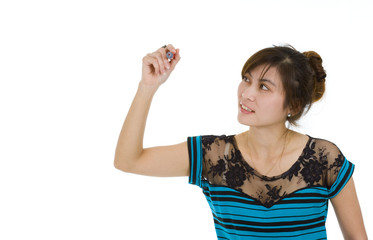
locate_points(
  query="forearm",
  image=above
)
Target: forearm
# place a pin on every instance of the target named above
(130, 142)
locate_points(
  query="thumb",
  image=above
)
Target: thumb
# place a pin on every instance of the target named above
(175, 60)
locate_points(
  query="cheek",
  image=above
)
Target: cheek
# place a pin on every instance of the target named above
(275, 105)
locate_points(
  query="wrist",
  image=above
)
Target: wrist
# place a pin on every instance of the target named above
(146, 89)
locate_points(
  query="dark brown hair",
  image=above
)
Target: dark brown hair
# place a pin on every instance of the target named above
(302, 75)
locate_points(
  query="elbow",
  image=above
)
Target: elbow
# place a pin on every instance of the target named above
(125, 162)
(120, 164)
(116, 164)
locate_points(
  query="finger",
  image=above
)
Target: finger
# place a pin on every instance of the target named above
(171, 48)
(164, 57)
(160, 70)
(158, 56)
(176, 59)
(152, 63)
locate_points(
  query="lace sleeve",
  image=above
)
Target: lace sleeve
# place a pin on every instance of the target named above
(206, 155)
(339, 170)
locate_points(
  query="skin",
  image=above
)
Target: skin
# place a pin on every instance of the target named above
(265, 139)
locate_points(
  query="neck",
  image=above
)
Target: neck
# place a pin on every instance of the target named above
(267, 136)
(267, 142)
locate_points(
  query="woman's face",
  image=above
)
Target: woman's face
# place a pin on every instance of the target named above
(261, 101)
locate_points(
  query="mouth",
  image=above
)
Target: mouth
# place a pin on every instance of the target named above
(246, 108)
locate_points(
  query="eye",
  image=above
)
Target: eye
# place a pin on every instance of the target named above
(264, 87)
(245, 79)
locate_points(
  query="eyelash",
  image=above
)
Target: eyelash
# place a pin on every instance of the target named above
(245, 79)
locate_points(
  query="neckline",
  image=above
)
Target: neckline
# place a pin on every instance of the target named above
(270, 178)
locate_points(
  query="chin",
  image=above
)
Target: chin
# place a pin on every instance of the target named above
(244, 121)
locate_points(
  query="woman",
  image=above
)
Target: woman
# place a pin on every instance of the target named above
(266, 183)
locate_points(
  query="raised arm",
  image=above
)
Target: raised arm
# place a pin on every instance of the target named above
(130, 156)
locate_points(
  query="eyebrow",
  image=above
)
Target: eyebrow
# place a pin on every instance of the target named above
(263, 79)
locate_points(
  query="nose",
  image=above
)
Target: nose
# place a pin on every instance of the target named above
(248, 92)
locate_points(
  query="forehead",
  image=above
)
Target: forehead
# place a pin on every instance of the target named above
(264, 72)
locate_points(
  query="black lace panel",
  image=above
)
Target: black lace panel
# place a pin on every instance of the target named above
(223, 164)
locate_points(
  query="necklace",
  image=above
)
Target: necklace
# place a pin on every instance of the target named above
(277, 160)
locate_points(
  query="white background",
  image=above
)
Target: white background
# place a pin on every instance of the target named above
(69, 71)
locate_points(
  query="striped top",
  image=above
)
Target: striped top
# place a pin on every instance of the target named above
(248, 205)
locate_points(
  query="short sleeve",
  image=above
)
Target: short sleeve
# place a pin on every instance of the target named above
(195, 160)
(341, 174)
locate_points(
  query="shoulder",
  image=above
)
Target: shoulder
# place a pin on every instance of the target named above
(324, 145)
(212, 142)
(216, 146)
(325, 151)
(336, 167)
(219, 140)
(322, 161)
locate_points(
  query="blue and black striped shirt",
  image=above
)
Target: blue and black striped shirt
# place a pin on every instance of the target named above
(248, 205)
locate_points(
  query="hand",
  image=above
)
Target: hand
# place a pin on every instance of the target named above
(156, 67)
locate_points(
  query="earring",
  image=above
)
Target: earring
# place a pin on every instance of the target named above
(289, 115)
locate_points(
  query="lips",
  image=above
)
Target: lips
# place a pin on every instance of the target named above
(246, 108)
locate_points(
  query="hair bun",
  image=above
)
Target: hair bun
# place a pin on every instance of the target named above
(319, 74)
